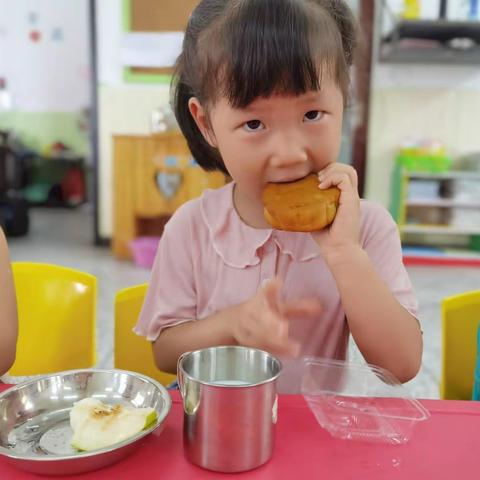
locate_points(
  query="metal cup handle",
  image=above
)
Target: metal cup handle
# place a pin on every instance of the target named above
(180, 379)
(189, 390)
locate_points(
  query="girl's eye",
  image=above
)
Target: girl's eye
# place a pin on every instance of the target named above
(253, 126)
(313, 116)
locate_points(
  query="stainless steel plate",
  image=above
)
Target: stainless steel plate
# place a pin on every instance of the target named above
(35, 428)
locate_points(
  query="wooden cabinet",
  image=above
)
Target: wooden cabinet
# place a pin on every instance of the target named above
(152, 176)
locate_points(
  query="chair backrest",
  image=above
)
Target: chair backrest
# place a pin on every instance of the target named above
(56, 316)
(132, 352)
(476, 379)
(460, 320)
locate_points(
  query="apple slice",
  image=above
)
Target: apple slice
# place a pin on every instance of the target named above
(97, 425)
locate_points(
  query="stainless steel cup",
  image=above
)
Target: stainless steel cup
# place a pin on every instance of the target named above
(230, 407)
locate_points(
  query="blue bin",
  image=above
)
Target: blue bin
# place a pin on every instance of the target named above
(476, 378)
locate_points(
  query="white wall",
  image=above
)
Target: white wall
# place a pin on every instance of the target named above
(109, 35)
(51, 74)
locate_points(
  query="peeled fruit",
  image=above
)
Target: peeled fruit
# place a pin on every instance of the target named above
(97, 425)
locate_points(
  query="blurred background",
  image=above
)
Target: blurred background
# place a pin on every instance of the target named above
(92, 163)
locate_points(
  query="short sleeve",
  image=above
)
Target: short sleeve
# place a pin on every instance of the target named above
(381, 241)
(170, 298)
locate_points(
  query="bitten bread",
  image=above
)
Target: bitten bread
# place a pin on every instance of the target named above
(300, 206)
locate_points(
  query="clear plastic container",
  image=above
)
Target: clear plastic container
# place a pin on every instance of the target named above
(360, 402)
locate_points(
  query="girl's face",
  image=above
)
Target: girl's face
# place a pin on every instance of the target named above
(275, 139)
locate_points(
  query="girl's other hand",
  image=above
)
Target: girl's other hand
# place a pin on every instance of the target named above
(344, 232)
(263, 321)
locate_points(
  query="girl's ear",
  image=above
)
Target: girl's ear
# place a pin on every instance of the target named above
(199, 115)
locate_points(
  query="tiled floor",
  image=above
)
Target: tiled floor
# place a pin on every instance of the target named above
(65, 237)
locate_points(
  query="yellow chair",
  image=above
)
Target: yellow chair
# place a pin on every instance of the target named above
(460, 320)
(56, 316)
(132, 352)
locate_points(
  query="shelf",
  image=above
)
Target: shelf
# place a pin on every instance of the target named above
(439, 55)
(427, 41)
(440, 229)
(442, 203)
(464, 175)
(439, 30)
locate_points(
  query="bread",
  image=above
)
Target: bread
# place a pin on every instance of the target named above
(300, 206)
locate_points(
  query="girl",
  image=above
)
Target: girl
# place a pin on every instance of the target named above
(259, 93)
(8, 310)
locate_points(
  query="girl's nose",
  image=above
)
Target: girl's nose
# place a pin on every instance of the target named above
(287, 152)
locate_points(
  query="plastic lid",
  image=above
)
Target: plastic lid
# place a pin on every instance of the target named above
(360, 401)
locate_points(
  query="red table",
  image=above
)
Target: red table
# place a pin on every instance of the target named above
(447, 446)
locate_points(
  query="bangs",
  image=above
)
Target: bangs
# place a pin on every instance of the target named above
(262, 47)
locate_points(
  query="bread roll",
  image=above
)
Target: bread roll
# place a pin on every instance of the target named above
(300, 206)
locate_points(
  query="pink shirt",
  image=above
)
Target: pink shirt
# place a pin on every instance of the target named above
(209, 259)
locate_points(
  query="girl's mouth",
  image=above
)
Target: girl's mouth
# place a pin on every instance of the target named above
(290, 179)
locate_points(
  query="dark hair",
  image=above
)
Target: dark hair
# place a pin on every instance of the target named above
(245, 49)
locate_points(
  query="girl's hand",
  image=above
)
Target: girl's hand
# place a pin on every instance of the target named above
(263, 321)
(345, 229)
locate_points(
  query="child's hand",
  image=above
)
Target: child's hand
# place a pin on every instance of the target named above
(264, 320)
(345, 229)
